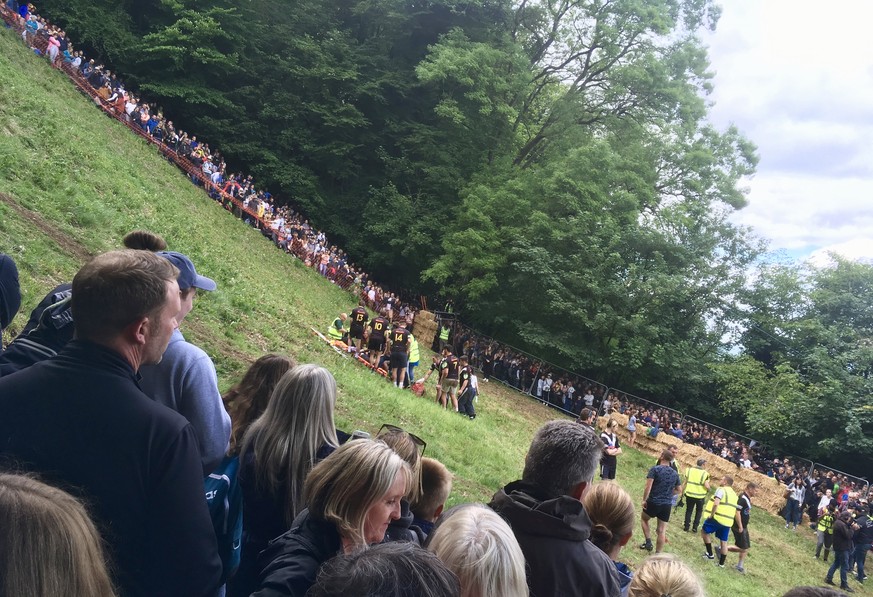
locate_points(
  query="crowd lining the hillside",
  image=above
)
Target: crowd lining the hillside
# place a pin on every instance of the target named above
(281, 491)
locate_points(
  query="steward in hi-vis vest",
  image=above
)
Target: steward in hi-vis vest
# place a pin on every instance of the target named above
(694, 492)
(722, 510)
(336, 330)
(824, 532)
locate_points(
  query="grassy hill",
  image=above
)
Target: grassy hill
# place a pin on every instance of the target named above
(73, 182)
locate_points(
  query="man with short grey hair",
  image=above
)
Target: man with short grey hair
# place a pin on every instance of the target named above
(546, 514)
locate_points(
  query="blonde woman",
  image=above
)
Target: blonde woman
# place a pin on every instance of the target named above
(663, 574)
(410, 448)
(279, 449)
(351, 497)
(480, 548)
(48, 544)
(611, 510)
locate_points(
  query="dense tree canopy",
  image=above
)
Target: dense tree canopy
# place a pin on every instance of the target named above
(548, 164)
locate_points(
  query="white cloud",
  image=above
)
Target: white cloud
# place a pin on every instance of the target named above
(796, 77)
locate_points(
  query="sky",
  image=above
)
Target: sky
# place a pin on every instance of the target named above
(797, 79)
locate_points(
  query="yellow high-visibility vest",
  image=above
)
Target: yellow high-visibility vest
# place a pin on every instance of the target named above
(727, 507)
(414, 354)
(444, 334)
(332, 332)
(695, 483)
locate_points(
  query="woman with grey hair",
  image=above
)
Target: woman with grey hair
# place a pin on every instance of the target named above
(279, 449)
(479, 547)
(351, 498)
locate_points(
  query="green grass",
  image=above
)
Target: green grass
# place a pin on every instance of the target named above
(73, 182)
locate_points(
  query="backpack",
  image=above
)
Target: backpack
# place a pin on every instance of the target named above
(224, 499)
(49, 329)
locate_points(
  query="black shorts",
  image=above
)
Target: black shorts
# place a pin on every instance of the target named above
(741, 540)
(399, 359)
(659, 511)
(377, 344)
(356, 332)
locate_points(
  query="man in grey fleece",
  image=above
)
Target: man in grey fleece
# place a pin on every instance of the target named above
(185, 379)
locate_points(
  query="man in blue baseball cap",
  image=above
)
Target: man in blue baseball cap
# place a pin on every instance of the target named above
(185, 378)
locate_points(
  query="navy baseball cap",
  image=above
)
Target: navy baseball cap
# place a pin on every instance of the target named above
(188, 276)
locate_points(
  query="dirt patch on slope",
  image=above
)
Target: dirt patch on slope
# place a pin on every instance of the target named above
(68, 245)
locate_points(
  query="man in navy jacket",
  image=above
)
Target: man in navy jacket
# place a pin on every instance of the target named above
(80, 421)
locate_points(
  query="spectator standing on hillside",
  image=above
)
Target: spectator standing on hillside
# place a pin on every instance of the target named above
(694, 492)
(632, 428)
(795, 492)
(611, 451)
(80, 420)
(662, 484)
(185, 380)
(863, 539)
(547, 517)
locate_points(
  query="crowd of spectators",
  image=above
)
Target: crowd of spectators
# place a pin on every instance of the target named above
(237, 192)
(292, 232)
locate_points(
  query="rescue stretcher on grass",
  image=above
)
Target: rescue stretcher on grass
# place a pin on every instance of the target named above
(342, 348)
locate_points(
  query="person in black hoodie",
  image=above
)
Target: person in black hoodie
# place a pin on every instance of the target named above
(843, 529)
(546, 514)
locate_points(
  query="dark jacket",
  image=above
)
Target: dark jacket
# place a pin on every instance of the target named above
(553, 534)
(403, 528)
(81, 422)
(864, 535)
(291, 562)
(263, 520)
(10, 292)
(842, 535)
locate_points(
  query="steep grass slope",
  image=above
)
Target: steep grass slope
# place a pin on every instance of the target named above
(73, 182)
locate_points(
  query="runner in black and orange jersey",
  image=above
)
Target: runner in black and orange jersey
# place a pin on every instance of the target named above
(449, 370)
(376, 338)
(356, 330)
(399, 354)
